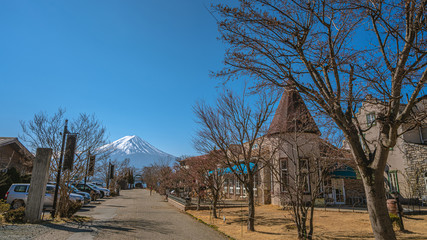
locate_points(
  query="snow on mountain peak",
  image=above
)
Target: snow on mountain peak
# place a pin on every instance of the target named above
(133, 145)
(139, 151)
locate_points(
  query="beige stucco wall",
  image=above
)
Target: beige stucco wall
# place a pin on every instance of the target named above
(398, 157)
(293, 146)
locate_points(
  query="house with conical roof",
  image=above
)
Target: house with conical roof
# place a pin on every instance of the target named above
(304, 160)
(300, 155)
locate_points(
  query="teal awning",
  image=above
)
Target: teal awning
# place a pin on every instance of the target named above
(237, 169)
(344, 172)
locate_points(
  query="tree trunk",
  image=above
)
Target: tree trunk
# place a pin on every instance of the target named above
(199, 199)
(311, 228)
(377, 208)
(251, 206)
(214, 208)
(214, 203)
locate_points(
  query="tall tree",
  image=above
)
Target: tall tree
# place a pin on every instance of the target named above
(237, 130)
(335, 53)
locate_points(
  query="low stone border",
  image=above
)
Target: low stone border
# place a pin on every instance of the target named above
(177, 204)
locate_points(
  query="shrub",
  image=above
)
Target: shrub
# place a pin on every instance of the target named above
(15, 215)
(395, 220)
(4, 206)
(73, 207)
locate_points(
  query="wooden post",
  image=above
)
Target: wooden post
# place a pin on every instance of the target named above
(38, 183)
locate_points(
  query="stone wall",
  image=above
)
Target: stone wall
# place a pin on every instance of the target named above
(416, 167)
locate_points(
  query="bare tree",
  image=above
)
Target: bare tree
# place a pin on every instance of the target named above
(159, 176)
(302, 167)
(215, 179)
(192, 172)
(237, 131)
(335, 53)
(201, 173)
(46, 131)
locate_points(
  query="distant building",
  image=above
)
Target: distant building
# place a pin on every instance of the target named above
(14, 154)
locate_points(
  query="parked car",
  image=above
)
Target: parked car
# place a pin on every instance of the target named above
(17, 195)
(97, 184)
(85, 195)
(94, 193)
(104, 191)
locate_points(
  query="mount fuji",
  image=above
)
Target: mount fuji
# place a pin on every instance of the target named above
(140, 152)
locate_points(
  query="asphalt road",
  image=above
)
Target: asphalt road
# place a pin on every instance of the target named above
(136, 215)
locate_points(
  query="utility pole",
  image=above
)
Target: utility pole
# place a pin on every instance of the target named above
(58, 176)
(87, 165)
(108, 175)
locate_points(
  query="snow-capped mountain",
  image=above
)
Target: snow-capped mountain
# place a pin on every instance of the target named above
(140, 152)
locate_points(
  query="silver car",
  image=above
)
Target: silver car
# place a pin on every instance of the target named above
(17, 195)
(104, 191)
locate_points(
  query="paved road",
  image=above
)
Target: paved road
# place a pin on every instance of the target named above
(137, 215)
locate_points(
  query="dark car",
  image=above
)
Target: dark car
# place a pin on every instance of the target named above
(94, 193)
(85, 195)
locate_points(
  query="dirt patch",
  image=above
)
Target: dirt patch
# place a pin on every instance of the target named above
(273, 223)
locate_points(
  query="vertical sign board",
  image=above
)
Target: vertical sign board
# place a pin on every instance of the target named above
(70, 149)
(91, 165)
(38, 183)
(112, 171)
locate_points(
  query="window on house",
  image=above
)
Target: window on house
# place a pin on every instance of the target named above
(272, 181)
(237, 187)
(256, 182)
(284, 174)
(322, 177)
(231, 188)
(303, 167)
(370, 119)
(225, 185)
(393, 181)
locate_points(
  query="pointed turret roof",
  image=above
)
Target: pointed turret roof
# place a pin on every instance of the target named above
(292, 115)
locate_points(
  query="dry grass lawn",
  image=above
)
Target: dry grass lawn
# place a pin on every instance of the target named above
(274, 223)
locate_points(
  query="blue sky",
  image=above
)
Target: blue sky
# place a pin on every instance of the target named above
(139, 65)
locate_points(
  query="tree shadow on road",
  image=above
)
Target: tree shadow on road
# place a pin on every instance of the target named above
(69, 227)
(117, 226)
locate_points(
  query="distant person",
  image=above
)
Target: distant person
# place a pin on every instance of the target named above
(151, 189)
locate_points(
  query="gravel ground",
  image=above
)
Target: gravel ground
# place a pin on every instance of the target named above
(15, 232)
(44, 231)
